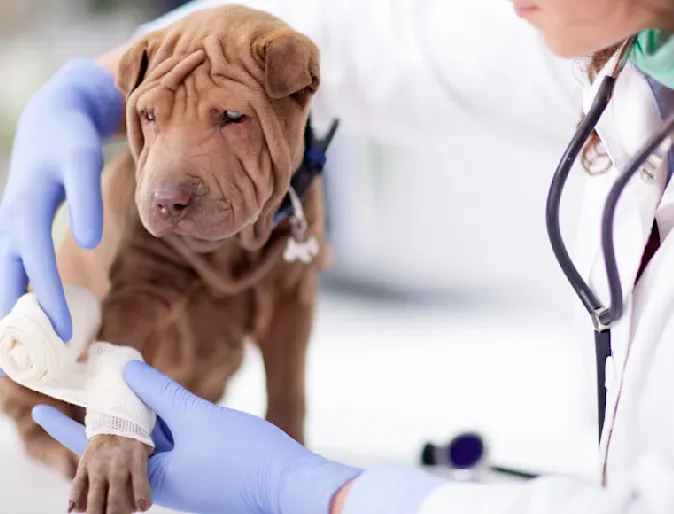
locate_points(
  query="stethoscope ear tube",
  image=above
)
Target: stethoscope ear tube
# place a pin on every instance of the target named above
(660, 139)
(552, 213)
(602, 317)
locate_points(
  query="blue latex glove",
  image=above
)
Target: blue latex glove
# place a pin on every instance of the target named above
(221, 460)
(56, 156)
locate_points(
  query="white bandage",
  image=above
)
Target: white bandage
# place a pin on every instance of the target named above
(34, 356)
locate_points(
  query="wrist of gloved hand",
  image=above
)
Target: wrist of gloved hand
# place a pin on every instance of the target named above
(84, 86)
(309, 485)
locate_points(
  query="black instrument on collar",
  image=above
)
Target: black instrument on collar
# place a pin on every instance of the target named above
(311, 167)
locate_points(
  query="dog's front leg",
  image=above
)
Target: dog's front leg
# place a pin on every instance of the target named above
(284, 350)
(147, 285)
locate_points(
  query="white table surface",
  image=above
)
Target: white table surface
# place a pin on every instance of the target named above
(384, 378)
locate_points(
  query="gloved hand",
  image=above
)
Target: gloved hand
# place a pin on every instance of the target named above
(222, 460)
(57, 155)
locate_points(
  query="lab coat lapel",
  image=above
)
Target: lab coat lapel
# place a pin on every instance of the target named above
(630, 118)
(665, 214)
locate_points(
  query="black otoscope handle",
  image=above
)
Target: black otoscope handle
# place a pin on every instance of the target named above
(465, 452)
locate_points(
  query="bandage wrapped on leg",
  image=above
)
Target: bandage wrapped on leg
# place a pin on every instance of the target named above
(82, 372)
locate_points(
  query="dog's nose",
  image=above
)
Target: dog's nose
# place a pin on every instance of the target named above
(174, 202)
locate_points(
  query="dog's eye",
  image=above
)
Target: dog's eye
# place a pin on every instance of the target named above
(233, 116)
(224, 118)
(148, 115)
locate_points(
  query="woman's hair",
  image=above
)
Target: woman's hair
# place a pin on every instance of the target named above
(592, 151)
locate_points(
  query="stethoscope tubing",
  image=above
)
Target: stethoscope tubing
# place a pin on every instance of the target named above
(660, 138)
(552, 215)
(602, 317)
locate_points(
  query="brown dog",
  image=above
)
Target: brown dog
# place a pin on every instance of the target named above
(190, 263)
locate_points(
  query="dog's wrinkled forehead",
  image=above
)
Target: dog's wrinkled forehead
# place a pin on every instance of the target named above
(238, 43)
(276, 68)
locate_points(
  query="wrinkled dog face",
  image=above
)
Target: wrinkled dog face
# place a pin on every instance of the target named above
(216, 107)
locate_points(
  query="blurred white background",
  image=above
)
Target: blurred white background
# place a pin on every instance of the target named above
(444, 310)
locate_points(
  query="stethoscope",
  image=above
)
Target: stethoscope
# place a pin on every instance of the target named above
(602, 316)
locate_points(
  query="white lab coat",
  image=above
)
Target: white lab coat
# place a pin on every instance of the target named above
(395, 67)
(636, 458)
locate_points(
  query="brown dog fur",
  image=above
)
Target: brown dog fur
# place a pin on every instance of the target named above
(187, 293)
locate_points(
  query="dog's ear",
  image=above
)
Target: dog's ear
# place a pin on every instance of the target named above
(133, 67)
(291, 65)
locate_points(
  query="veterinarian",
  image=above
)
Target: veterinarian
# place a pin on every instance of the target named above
(214, 459)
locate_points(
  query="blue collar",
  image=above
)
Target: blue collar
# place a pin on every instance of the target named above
(311, 167)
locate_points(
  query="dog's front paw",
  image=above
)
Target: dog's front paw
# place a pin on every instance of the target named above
(112, 477)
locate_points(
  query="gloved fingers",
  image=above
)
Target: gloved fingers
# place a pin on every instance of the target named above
(66, 431)
(162, 394)
(13, 283)
(13, 280)
(39, 258)
(82, 170)
(157, 469)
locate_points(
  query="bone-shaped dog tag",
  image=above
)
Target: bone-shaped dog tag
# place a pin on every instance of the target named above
(304, 251)
(298, 248)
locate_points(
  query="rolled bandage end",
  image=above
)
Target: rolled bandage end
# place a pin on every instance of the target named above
(31, 353)
(81, 372)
